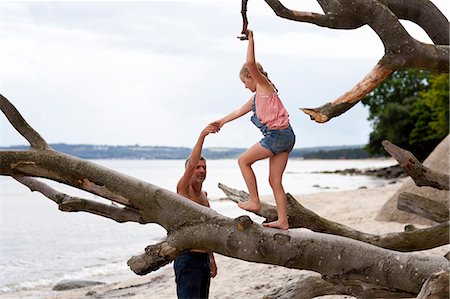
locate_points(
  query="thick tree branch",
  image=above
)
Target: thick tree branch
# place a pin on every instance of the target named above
(349, 99)
(299, 216)
(422, 175)
(48, 165)
(422, 206)
(69, 203)
(19, 123)
(425, 14)
(335, 16)
(401, 50)
(244, 239)
(338, 16)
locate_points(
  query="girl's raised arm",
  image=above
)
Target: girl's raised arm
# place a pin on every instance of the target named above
(251, 64)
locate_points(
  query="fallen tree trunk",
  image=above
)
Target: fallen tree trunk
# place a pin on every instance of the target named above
(192, 226)
(299, 216)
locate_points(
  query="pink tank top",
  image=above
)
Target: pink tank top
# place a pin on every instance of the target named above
(271, 112)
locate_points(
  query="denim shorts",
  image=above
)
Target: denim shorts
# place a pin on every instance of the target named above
(278, 141)
(192, 275)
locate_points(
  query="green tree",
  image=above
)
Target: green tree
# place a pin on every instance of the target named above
(411, 110)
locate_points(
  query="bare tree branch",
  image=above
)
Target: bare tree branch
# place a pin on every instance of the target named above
(349, 99)
(19, 123)
(422, 175)
(69, 203)
(299, 216)
(335, 16)
(401, 50)
(425, 14)
(244, 19)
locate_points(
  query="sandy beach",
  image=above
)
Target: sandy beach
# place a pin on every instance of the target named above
(241, 279)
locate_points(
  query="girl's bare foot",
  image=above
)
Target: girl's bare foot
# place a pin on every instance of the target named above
(250, 206)
(277, 224)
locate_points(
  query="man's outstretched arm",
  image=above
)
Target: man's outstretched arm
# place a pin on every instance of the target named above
(194, 158)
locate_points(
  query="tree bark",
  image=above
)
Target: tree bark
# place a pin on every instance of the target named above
(436, 287)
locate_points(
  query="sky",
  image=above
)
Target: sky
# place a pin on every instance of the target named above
(155, 73)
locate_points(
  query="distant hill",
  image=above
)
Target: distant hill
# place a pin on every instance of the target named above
(137, 152)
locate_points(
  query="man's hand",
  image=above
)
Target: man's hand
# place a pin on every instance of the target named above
(217, 124)
(213, 267)
(213, 127)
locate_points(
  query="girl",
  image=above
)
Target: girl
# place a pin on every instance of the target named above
(272, 119)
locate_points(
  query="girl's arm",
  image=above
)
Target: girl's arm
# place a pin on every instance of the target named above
(247, 107)
(261, 80)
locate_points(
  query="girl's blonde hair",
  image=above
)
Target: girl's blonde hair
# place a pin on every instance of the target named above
(245, 73)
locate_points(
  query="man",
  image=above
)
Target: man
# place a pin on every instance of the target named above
(194, 268)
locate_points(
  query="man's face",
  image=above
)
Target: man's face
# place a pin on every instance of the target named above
(199, 174)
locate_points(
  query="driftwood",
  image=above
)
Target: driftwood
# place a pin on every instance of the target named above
(311, 285)
(425, 207)
(438, 161)
(422, 175)
(299, 216)
(436, 287)
(192, 226)
(401, 49)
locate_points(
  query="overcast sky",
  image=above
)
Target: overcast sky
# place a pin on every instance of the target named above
(156, 72)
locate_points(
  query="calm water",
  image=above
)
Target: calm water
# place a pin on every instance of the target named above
(41, 245)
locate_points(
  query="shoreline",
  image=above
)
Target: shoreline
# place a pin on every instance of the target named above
(237, 278)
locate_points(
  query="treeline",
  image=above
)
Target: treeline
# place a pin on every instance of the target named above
(410, 109)
(136, 152)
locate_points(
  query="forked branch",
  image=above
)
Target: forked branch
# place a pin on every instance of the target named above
(401, 49)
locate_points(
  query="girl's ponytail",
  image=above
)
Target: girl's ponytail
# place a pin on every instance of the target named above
(245, 73)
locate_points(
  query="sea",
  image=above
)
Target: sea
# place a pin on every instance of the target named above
(40, 245)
